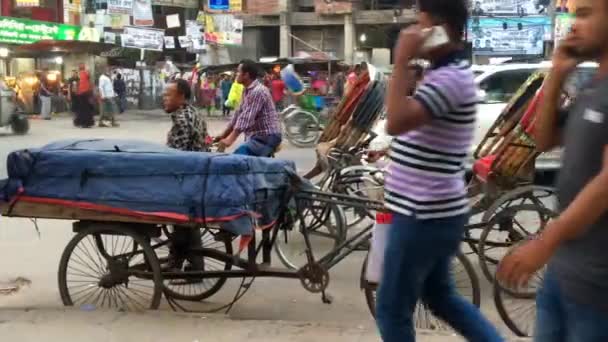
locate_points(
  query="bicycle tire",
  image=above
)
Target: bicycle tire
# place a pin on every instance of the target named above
(340, 236)
(197, 296)
(312, 128)
(151, 264)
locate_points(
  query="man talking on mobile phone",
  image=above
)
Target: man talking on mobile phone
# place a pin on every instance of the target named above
(424, 185)
(572, 304)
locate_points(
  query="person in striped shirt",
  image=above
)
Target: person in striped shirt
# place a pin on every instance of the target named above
(424, 183)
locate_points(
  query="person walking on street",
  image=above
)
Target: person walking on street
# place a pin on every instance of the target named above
(277, 87)
(256, 117)
(73, 90)
(45, 96)
(572, 303)
(188, 133)
(108, 101)
(120, 88)
(84, 100)
(425, 188)
(226, 85)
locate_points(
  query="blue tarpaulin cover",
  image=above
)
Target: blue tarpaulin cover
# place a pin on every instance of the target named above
(150, 178)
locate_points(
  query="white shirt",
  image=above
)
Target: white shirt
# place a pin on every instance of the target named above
(106, 89)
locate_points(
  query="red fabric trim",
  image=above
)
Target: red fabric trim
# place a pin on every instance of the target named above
(160, 216)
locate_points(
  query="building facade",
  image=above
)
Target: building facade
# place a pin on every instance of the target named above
(346, 30)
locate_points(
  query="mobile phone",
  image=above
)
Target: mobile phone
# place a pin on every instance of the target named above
(437, 37)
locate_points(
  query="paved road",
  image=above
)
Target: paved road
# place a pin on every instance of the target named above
(24, 254)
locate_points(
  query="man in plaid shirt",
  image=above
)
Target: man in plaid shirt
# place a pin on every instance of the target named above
(256, 118)
(189, 130)
(188, 133)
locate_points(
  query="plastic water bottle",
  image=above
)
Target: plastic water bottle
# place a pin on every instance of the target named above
(291, 79)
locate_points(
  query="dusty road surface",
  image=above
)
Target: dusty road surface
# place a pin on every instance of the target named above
(273, 310)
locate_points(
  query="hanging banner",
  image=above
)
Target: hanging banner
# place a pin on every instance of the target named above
(169, 42)
(195, 34)
(223, 29)
(117, 21)
(509, 36)
(143, 38)
(142, 13)
(176, 3)
(507, 7)
(184, 41)
(109, 37)
(120, 6)
(173, 21)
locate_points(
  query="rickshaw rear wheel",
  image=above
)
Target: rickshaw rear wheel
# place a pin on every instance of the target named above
(110, 266)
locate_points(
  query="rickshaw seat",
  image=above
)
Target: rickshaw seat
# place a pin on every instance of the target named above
(483, 167)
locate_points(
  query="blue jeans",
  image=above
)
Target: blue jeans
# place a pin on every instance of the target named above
(559, 319)
(259, 146)
(417, 267)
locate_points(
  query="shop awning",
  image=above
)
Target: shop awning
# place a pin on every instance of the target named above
(44, 47)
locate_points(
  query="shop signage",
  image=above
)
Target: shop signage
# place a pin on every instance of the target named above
(509, 36)
(25, 31)
(176, 3)
(120, 7)
(506, 7)
(143, 38)
(27, 3)
(222, 6)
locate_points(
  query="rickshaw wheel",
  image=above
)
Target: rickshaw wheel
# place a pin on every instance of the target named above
(110, 266)
(512, 218)
(467, 284)
(517, 308)
(201, 289)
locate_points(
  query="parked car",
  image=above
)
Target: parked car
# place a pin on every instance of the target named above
(497, 84)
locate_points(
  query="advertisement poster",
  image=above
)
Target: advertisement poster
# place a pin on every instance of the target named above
(185, 42)
(142, 13)
(143, 38)
(118, 21)
(509, 36)
(223, 29)
(219, 5)
(507, 7)
(109, 37)
(120, 7)
(173, 21)
(169, 42)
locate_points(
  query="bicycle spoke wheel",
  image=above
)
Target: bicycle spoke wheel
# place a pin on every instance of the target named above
(110, 267)
(198, 289)
(510, 222)
(325, 225)
(518, 308)
(301, 128)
